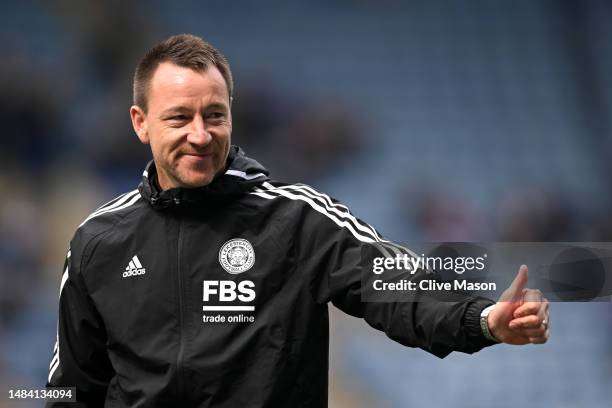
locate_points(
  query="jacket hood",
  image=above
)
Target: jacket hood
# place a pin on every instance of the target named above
(241, 175)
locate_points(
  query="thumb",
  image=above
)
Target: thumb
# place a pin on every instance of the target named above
(515, 291)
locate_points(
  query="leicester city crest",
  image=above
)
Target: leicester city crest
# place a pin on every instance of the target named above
(237, 255)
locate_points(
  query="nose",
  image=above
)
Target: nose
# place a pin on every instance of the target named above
(198, 134)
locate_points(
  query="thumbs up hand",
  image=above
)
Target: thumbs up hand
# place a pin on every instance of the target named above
(520, 316)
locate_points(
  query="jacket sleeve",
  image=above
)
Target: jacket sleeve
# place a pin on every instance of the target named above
(79, 357)
(330, 249)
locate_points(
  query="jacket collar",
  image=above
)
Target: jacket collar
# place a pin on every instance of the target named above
(242, 174)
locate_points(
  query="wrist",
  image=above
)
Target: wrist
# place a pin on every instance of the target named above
(487, 324)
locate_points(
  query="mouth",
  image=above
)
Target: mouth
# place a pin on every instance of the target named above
(198, 155)
(197, 159)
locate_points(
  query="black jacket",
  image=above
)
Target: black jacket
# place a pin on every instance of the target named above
(141, 268)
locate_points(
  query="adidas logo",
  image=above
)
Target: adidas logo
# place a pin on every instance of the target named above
(134, 268)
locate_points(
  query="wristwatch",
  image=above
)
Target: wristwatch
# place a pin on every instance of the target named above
(484, 323)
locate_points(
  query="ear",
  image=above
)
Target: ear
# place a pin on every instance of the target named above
(139, 122)
(231, 100)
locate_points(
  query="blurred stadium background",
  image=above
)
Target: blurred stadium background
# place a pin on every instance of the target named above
(434, 120)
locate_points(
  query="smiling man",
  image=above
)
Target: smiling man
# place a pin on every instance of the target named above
(208, 286)
(185, 116)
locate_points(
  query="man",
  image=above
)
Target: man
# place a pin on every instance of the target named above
(208, 286)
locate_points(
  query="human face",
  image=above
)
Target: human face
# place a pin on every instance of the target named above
(188, 124)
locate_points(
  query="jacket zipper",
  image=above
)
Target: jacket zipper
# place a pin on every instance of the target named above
(179, 357)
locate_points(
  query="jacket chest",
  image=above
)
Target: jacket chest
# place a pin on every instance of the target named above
(195, 273)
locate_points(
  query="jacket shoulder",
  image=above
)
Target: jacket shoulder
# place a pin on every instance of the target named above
(317, 209)
(300, 194)
(108, 215)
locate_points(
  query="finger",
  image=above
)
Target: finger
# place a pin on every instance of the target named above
(543, 313)
(516, 338)
(532, 307)
(526, 322)
(539, 332)
(516, 288)
(533, 295)
(523, 292)
(540, 339)
(526, 309)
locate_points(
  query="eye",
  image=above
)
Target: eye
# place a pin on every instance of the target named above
(216, 115)
(178, 117)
